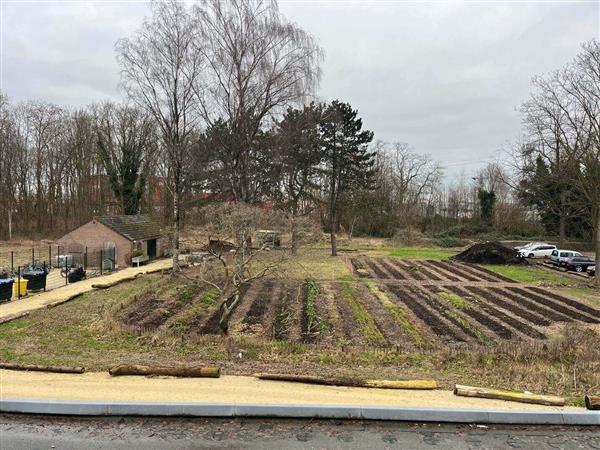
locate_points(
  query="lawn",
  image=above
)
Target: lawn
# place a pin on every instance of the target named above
(531, 275)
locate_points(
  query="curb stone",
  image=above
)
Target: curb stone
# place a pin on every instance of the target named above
(88, 408)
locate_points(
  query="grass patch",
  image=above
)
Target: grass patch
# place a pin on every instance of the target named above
(529, 275)
(421, 253)
(314, 324)
(365, 320)
(399, 315)
(454, 299)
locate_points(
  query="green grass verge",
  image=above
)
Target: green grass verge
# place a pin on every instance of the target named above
(530, 275)
(365, 320)
(421, 253)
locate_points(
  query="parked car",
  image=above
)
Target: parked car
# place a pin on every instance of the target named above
(538, 251)
(559, 257)
(531, 244)
(591, 271)
(579, 263)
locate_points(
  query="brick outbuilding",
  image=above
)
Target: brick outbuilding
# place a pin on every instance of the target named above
(127, 234)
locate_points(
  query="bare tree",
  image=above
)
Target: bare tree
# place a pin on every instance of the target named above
(231, 227)
(127, 147)
(258, 63)
(160, 68)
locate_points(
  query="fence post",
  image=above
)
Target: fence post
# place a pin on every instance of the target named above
(66, 272)
(32, 256)
(12, 262)
(45, 275)
(85, 259)
(50, 254)
(101, 261)
(19, 282)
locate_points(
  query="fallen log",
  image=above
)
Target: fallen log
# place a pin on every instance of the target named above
(350, 382)
(498, 394)
(14, 317)
(190, 372)
(35, 368)
(592, 402)
(64, 300)
(114, 283)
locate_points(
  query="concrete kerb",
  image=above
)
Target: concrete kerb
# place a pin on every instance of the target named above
(86, 408)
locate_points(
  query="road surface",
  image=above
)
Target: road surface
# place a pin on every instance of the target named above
(51, 432)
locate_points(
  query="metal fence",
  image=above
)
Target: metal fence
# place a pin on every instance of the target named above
(49, 267)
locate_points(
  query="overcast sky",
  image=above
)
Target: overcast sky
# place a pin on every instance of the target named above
(446, 77)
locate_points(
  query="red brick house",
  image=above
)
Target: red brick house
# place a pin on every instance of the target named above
(127, 234)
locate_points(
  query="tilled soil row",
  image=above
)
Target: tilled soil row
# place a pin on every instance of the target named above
(374, 268)
(390, 330)
(480, 317)
(448, 276)
(211, 323)
(349, 326)
(259, 304)
(533, 306)
(508, 305)
(472, 271)
(574, 304)
(461, 272)
(556, 306)
(444, 310)
(489, 272)
(454, 274)
(516, 324)
(410, 270)
(423, 312)
(423, 269)
(397, 274)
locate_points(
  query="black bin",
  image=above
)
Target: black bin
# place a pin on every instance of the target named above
(36, 279)
(6, 287)
(76, 275)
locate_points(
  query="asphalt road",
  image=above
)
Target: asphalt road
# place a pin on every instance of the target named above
(134, 433)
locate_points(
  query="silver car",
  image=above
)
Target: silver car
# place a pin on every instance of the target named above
(559, 257)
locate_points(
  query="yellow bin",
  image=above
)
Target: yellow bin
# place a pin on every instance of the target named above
(22, 287)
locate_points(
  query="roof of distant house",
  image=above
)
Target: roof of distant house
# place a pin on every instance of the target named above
(134, 228)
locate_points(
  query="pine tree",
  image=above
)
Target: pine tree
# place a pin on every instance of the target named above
(349, 165)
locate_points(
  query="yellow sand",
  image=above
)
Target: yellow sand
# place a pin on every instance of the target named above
(43, 299)
(227, 389)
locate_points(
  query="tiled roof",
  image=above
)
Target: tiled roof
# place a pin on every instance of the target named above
(134, 228)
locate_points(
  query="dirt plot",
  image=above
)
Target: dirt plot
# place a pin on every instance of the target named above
(402, 303)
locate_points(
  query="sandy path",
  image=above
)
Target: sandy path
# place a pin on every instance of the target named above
(227, 389)
(43, 299)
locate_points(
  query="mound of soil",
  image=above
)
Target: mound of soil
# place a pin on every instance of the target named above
(490, 253)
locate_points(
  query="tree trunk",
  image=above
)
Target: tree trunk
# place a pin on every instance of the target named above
(294, 235)
(562, 230)
(192, 372)
(592, 403)
(597, 275)
(352, 382)
(176, 217)
(469, 391)
(562, 221)
(34, 368)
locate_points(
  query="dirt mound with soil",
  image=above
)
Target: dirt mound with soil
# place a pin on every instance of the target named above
(490, 253)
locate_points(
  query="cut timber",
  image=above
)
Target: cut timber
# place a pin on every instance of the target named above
(592, 402)
(64, 300)
(55, 369)
(14, 317)
(470, 391)
(114, 283)
(191, 372)
(380, 384)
